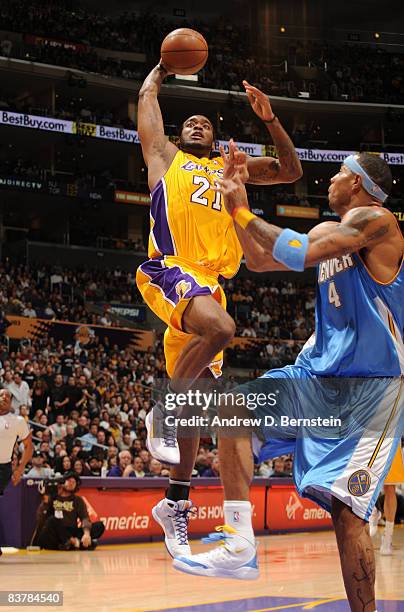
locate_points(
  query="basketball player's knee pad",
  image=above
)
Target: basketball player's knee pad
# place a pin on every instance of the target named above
(290, 249)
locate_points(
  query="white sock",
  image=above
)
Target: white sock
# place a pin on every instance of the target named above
(389, 528)
(238, 514)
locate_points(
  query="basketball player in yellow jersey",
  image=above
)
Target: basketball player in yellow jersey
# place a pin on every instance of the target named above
(193, 240)
(394, 477)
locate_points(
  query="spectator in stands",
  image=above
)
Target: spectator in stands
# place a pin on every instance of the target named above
(80, 468)
(74, 395)
(90, 438)
(214, 470)
(155, 469)
(58, 429)
(40, 397)
(59, 397)
(278, 466)
(125, 459)
(67, 362)
(38, 470)
(69, 437)
(29, 375)
(248, 331)
(20, 394)
(264, 469)
(201, 463)
(125, 442)
(63, 464)
(95, 465)
(81, 428)
(135, 469)
(145, 457)
(288, 466)
(29, 311)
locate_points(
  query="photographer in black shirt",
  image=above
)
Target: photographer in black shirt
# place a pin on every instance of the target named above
(59, 517)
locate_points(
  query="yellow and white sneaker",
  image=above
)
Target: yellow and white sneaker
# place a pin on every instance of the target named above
(235, 557)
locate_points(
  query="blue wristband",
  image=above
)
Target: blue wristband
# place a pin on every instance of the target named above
(290, 249)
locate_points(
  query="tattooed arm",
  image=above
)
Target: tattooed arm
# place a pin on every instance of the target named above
(268, 170)
(364, 227)
(158, 151)
(257, 259)
(360, 228)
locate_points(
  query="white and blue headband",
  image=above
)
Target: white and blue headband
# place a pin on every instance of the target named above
(367, 183)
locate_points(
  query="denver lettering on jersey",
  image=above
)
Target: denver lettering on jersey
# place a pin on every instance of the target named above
(190, 166)
(331, 267)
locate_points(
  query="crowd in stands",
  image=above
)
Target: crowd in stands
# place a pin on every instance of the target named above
(273, 321)
(87, 411)
(345, 72)
(87, 404)
(61, 294)
(279, 310)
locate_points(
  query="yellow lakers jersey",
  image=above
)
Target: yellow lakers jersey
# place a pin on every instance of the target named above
(189, 219)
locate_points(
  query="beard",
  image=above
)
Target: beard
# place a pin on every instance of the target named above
(195, 146)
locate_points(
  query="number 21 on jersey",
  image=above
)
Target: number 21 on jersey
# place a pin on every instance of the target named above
(333, 296)
(198, 196)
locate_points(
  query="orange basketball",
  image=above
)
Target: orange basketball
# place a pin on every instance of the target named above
(184, 51)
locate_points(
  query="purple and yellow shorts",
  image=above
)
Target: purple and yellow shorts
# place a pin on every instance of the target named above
(168, 285)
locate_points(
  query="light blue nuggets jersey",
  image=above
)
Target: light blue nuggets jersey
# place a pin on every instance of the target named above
(359, 322)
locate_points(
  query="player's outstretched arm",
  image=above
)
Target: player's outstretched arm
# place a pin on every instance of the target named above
(268, 170)
(362, 227)
(257, 257)
(158, 151)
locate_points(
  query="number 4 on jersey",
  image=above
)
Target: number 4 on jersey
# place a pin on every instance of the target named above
(333, 296)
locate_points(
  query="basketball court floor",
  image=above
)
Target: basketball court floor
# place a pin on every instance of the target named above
(298, 572)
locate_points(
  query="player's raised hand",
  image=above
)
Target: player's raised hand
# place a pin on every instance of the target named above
(164, 68)
(228, 160)
(234, 161)
(259, 102)
(235, 174)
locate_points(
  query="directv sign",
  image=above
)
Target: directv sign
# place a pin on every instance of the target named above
(12, 182)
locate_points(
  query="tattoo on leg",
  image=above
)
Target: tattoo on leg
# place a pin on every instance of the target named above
(367, 575)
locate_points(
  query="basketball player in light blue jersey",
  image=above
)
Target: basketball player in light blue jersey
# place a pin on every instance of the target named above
(352, 368)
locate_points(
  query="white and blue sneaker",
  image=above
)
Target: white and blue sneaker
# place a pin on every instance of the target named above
(162, 435)
(235, 557)
(173, 518)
